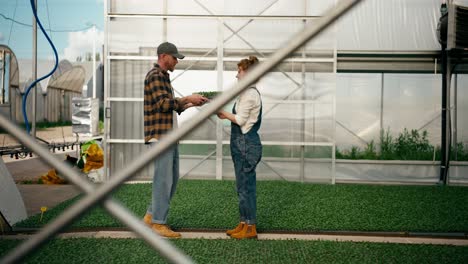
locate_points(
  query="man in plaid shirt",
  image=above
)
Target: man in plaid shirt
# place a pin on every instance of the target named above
(160, 115)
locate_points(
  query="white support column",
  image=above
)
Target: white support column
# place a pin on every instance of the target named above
(335, 71)
(106, 103)
(164, 24)
(219, 123)
(94, 60)
(303, 114)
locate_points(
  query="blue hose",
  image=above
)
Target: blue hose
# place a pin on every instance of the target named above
(25, 96)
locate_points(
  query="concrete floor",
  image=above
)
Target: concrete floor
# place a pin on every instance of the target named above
(37, 195)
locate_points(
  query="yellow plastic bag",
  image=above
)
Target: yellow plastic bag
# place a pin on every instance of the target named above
(94, 158)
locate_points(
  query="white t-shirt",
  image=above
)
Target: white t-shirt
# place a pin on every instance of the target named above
(247, 109)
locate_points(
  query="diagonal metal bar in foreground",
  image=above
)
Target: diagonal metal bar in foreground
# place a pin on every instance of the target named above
(166, 249)
(102, 192)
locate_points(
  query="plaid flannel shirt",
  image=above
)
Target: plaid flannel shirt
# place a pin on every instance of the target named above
(159, 103)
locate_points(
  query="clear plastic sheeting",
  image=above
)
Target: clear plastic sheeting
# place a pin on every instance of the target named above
(462, 108)
(367, 103)
(373, 25)
(309, 110)
(392, 25)
(124, 153)
(130, 120)
(458, 172)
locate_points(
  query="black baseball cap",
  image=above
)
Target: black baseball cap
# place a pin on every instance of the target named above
(169, 48)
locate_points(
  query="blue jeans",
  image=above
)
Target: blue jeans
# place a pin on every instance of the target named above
(246, 151)
(166, 175)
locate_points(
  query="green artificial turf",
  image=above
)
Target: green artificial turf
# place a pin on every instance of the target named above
(294, 206)
(84, 250)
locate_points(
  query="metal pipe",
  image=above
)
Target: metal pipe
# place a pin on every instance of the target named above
(443, 144)
(34, 76)
(211, 16)
(455, 117)
(167, 250)
(3, 72)
(104, 190)
(94, 60)
(164, 23)
(105, 83)
(219, 123)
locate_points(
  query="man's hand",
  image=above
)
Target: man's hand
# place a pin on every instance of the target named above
(196, 99)
(187, 106)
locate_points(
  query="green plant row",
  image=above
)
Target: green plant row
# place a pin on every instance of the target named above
(209, 94)
(409, 145)
(295, 206)
(85, 250)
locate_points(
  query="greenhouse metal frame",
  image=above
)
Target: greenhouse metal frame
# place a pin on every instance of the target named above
(96, 195)
(100, 194)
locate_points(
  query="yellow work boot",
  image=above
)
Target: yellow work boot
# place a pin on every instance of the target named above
(165, 231)
(248, 231)
(148, 219)
(238, 228)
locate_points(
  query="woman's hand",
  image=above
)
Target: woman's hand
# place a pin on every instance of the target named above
(222, 114)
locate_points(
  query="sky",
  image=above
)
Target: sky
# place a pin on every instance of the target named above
(72, 18)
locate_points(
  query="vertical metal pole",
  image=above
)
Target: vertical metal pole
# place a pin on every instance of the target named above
(443, 116)
(335, 70)
(106, 103)
(303, 114)
(381, 108)
(3, 57)
(164, 25)
(455, 117)
(445, 143)
(94, 61)
(219, 123)
(34, 72)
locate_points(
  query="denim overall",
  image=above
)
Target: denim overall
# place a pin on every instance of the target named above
(246, 151)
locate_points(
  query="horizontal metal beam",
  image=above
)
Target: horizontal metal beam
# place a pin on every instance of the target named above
(186, 16)
(225, 142)
(130, 99)
(321, 61)
(214, 59)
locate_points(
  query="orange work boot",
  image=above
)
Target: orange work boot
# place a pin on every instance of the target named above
(238, 228)
(248, 231)
(165, 231)
(148, 219)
